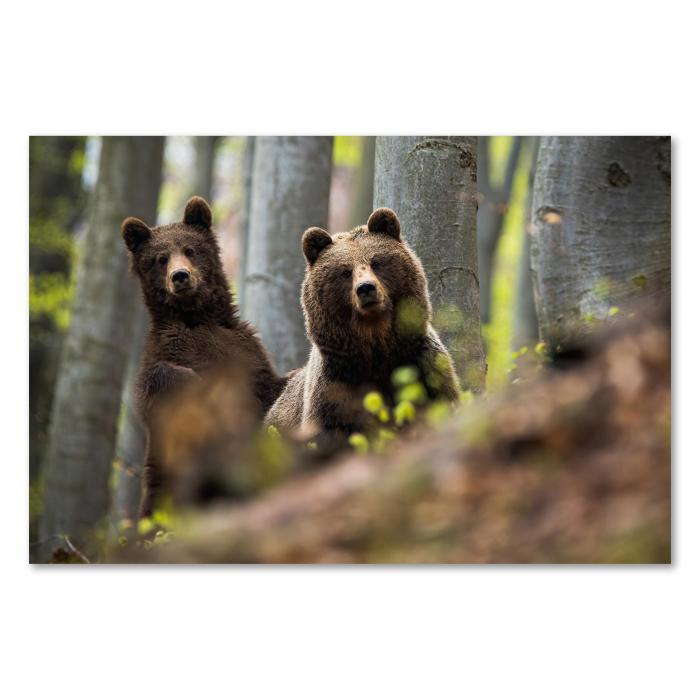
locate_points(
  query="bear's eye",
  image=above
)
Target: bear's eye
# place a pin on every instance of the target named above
(378, 263)
(162, 259)
(347, 273)
(189, 252)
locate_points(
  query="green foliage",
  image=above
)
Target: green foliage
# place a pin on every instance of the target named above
(410, 393)
(498, 333)
(51, 295)
(438, 412)
(46, 236)
(402, 376)
(373, 402)
(410, 317)
(404, 412)
(359, 443)
(272, 458)
(413, 393)
(347, 151)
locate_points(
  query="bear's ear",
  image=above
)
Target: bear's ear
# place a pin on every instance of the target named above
(313, 242)
(385, 221)
(197, 213)
(135, 233)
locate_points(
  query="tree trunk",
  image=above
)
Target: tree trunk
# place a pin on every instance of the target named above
(91, 373)
(363, 194)
(56, 206)
(493, 205)
(244, 221)
(602, 237)
(205, 155)
(525, 330)
(131, 437)
(291, 186)
(430, 182)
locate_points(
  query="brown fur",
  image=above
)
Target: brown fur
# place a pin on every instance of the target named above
(194, 324)
(357, 341)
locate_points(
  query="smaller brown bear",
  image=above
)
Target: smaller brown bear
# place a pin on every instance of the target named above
(194, 323)
(367, 311)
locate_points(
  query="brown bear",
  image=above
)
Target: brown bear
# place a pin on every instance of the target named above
(367, 311)
(194, 323)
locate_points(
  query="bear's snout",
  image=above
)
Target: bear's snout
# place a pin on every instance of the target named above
(366, 292)
(181, 279)
(181, 276)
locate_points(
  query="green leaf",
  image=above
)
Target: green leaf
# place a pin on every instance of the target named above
(404, 412)
(373, 402)
(404, 375)
(145, 526)
(359, 443)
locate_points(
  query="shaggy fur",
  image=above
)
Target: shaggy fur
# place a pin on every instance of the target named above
(367, 312)
(194, 324)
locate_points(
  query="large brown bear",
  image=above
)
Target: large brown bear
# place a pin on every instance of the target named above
(367, 311)
(194, 324)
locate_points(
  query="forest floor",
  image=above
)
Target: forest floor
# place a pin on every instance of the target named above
(570, 465)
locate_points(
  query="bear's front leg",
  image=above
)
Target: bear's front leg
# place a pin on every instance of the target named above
(157, 383)
(162, 379)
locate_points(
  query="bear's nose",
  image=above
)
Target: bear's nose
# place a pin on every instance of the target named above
(366, 291)
(180, 277)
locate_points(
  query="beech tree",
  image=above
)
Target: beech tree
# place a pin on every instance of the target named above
(290, 192)
(430, 181)
(602, 228)
(95, 353)
(244, 220)
(205, 155)
(494, 197)
(363, 194)
(525, 328)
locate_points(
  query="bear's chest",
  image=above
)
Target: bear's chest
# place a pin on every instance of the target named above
(197, 348)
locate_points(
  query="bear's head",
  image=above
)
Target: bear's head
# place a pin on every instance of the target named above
(363, 286)
(179, 265)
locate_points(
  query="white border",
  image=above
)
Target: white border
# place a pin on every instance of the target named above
(437, 632)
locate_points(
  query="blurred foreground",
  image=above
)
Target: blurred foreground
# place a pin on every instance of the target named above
(569, 465)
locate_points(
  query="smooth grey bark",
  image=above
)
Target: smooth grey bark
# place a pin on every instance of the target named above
(291, 187)
(430, 182)
(602, 236)
(525, 327)
(244, 225)
(363, 194)
(205, 156)
(91, 372)
(131, 436)
(493, 205)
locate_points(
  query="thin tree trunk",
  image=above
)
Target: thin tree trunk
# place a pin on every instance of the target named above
(602, 237)
(246, 193)
(291, 186)
(94, 358)
(526, 331)
(205, 155)
(493, 205)
(430, 181)
(56, 202)
(131, 437)
(363, 195)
